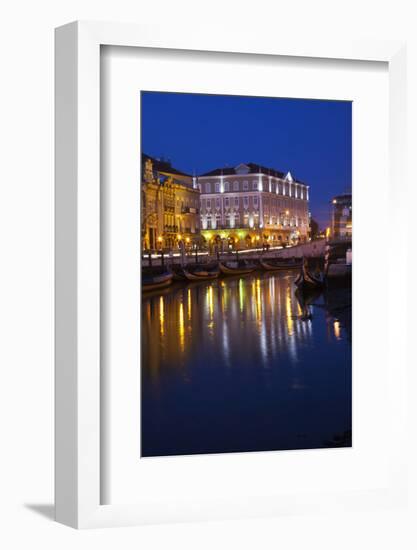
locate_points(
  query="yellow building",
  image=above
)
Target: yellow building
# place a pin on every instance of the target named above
(170, 206)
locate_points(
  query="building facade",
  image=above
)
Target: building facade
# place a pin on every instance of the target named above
(170, 205)
(341, 217)
(252, 204)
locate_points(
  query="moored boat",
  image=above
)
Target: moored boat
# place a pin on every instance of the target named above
(200, 275)
(306, 280)
(155, 281)
(178, 273)
(237, 269)
(271, 265)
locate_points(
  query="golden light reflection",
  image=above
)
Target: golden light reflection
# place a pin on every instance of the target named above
(189, 304)
(161, 315)
(288, 310)
(336, 329)
(181, 328)
(258, 300)
(257, 313)
(241, 294)
(210, 302)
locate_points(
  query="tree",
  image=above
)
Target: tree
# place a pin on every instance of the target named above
(314, 229)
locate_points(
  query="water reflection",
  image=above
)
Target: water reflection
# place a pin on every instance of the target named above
(224, 363)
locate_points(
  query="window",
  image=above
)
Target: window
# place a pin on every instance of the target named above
(255, 185)
(236, 202)
(237, 220)
(217, 203)
(226, 186)
(217, 187)
(208, 222)
(208, 203)
(245, 202)
(235, 186)
(208, 188)
(226, 202)
(245, 185)
(255, 202)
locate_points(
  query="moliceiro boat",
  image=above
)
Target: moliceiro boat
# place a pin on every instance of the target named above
(306, 281)
(200, 275)
(155, 281)
(236, 268)
(277, 265)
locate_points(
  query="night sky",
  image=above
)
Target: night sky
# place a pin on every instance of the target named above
(310, 138)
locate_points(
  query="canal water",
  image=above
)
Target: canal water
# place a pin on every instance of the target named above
(245, 364)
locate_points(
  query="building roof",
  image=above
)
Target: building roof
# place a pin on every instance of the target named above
(163, 166)
(252, 169)
(345, 197)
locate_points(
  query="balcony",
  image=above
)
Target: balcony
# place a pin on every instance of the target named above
(170, 228)
(189, 210)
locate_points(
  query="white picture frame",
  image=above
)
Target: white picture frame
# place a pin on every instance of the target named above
(78, 405)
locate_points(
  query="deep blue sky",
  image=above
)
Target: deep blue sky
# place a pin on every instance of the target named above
(311, 138)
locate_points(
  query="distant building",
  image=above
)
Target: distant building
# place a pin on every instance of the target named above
(250, 203)
(341, 217)
(170, 205)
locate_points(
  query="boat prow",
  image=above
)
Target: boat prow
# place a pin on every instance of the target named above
(306, 281)
(238, 270)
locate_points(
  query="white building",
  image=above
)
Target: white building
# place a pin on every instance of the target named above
(251, 202)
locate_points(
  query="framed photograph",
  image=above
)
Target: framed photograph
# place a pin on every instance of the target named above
(227, 335)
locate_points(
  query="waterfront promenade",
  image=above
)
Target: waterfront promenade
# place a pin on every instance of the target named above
(312, 249)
